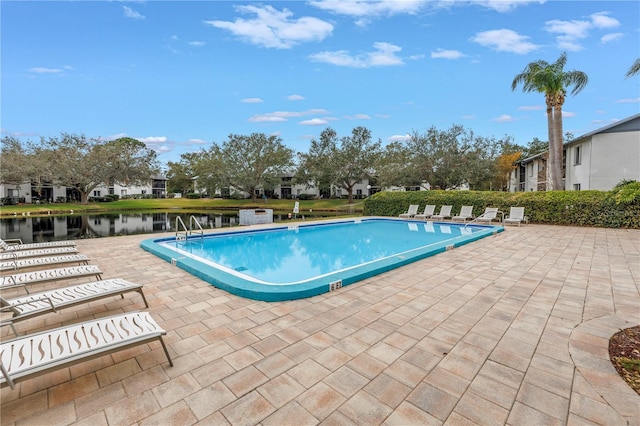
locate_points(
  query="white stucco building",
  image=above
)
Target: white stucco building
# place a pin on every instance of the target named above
(596, 160)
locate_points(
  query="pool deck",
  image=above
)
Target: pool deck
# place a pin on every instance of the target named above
(511, 329)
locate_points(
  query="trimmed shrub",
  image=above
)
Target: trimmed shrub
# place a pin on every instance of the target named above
(619, 208)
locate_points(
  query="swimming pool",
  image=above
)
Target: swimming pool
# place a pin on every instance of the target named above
(303, 260)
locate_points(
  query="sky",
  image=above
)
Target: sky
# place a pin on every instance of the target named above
(180, 76)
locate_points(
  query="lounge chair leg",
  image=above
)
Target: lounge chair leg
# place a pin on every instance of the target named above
(143, 298)
(166, 352)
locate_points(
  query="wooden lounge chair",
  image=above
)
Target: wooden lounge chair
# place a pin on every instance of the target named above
(466, 213)
(39, 353)
(35, 304)
(35, 262)
(23, 254)
(46, 275)
(445, 213)
(427, 213)
(16, 245)
(516, 216)
(411, 212)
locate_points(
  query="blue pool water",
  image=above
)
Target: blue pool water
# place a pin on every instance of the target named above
(296, 261)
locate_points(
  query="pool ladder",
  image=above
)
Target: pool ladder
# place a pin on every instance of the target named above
(182, 233)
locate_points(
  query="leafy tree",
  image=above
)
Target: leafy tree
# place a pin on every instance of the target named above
(315, 167)
(395, 168)
(342, 163)
(535, 147)
(355, 159)
(552, 80)
(85, 164)
(505, 164)
(635, 68)
(449, 159)
(248, 162)
(14, 162)
(180, 176)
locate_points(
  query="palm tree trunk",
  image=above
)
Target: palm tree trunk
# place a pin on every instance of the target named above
(555, 155)
(549, 171)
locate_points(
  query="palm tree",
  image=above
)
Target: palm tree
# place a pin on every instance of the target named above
(551, 79)
(635, 68)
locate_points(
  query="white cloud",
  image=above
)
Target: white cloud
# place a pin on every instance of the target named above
(44, 70)
(130, 13)
(570, 33)
(469, 117)
(607, 38)
(280, 116)
(273, 28)
(446, 54)
(295, 98)
(530, 108)
(383, 55)
(151, 140)
(315, 122)
(628, 101)
(504, 118)
(398, 138)
(358, 117)
(506, 5)
(567, 114)
(505, 41)
(197, 43)
(601, 20)
(252, 101)
(365, 10)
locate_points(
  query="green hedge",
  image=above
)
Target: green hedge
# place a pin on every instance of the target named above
(611, 209)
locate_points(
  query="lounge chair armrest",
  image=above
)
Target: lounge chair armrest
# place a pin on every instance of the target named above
(13, 241)
(26, 302)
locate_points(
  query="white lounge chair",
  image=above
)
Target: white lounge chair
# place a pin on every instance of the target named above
(411, 212)
(34, 262)
(16, 244)
(490, 213)
(516, 215)
(46, 275)
(36, 354)
(427, 213)
(445, 213)
(23, 254)
(44, 302)
(466, 213)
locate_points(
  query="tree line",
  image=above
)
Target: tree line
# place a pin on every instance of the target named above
(445, 159)
(76, 162)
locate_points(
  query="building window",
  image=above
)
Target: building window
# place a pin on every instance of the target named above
(576, 187)
(577, 155)
(96, 193)
(530, 166)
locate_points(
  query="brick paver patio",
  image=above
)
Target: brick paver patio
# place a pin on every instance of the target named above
(512, 329)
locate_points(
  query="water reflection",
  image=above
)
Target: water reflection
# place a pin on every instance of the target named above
(51, 228)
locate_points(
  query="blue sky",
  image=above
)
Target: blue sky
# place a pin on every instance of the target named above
(180, 75)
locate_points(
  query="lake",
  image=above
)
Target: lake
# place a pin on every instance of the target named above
(51, 228)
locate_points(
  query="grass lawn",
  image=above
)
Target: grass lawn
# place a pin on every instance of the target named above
(335, 205)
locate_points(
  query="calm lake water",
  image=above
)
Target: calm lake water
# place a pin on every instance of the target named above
(51, 228)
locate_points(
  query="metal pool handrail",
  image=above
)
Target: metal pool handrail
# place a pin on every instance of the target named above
(182, 233)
